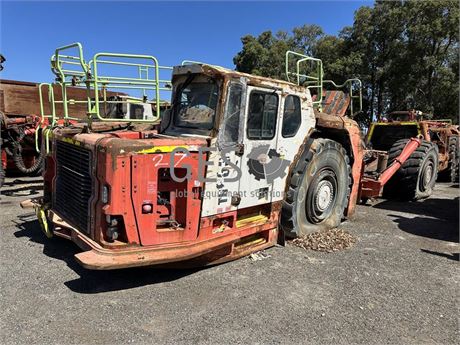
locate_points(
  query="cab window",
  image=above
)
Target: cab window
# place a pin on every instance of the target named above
(232, 114)
(263, 109)
(292, 116)
(196, 105)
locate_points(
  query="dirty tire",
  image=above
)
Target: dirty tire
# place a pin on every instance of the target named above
(416, 178)
(450, 174)
(2, 174)
(319, 186)
(454, 158)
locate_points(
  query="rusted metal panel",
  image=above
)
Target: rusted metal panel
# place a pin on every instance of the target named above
(22, 98)
(2, 101)
(329, 121)
(335, 102)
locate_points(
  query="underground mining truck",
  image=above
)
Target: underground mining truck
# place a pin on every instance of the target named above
(437, 156)
(237, 163)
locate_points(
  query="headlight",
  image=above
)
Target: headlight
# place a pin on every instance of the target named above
(105, 194)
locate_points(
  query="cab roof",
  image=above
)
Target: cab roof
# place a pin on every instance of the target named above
(199, 68)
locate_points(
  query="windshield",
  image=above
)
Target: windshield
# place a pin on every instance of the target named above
(196, 105)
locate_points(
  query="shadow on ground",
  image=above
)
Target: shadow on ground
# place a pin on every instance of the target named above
(452, 256)
(19, 191)
(18, 187)
(21, 181)
(91, 282)
(438, 218)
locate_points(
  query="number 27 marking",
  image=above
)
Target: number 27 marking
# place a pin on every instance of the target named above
(158, 159)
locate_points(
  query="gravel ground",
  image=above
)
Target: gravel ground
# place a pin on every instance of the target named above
(397, 284)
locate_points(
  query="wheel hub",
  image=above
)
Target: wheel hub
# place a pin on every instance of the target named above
(321, 196)
(324, 195)
(427, 176)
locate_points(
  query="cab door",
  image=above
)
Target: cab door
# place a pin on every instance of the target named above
(260, 165)
(296, 122)
(223, 171)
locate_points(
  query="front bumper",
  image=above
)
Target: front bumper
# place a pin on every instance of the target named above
(198, 253)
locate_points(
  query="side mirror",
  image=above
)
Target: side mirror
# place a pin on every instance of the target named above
(165, 119)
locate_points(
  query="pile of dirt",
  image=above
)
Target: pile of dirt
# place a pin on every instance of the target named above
(326, 241)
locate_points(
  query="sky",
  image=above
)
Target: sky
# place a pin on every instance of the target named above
(171, 31)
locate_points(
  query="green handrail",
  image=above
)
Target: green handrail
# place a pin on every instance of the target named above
(43, 116)
(58, 60)
(350, 83)
(50, 100)
(73, 70)
(314, 81)
(104, 82)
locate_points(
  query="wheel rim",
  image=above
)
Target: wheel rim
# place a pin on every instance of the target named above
(324, 195)
(321, 196)
(427, 175)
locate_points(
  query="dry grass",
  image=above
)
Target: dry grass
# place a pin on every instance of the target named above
(326, 241)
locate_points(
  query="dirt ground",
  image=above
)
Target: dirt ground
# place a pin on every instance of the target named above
(398, 284)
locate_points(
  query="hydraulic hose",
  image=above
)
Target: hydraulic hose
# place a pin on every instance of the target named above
(19, 160)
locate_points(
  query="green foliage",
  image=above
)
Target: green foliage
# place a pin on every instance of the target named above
(405, 52)
(264, 55)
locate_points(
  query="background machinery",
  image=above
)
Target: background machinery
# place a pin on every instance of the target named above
(440, 138)
(28, 110)
(22, 121)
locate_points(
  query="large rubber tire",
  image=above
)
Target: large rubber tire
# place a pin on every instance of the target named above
(449, 174)
(454, 158)
(416, 178)
(319, 187)
(2, 173)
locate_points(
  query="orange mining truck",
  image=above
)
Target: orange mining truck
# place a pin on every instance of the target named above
(390, 134)
(235, 164)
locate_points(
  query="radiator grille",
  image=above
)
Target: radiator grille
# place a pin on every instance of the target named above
(73, 184)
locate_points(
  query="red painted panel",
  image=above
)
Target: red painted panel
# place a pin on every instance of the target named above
(118, 180)
(176, 206)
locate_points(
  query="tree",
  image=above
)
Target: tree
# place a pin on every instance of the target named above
(433, 53)
(405, 52)
(265, 55)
